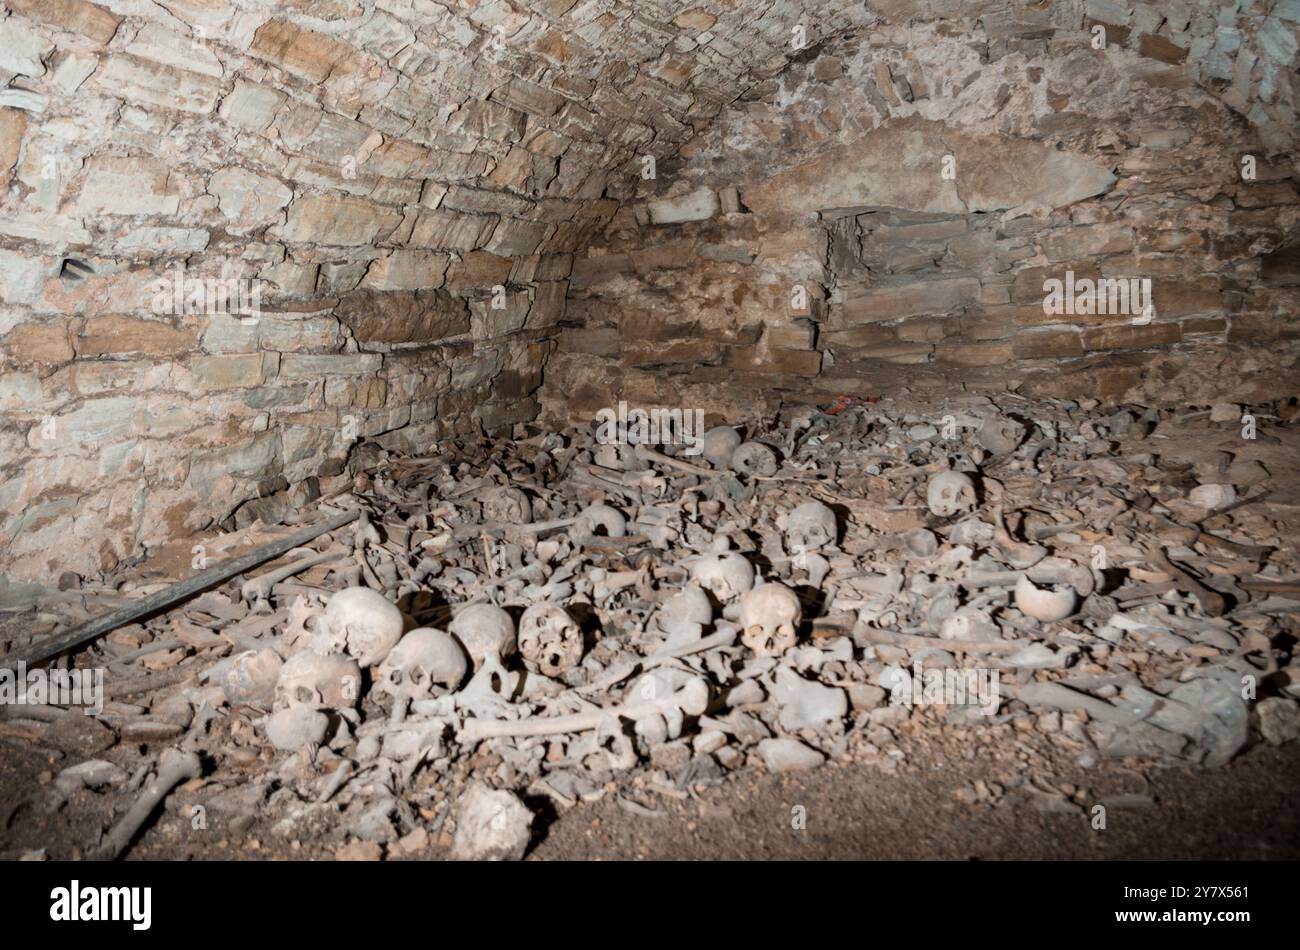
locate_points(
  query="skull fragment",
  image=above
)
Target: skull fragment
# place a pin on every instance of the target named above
(1046, 604)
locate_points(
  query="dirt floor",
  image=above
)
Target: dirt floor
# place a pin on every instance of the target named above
(926, 808)
(1244, 811)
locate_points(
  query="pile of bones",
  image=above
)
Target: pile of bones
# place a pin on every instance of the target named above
(552, 615)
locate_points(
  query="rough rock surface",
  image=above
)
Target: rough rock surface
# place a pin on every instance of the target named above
(891, 208)
(492, 825)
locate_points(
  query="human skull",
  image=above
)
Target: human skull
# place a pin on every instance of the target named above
(484, 630)
(251, 676)
(599, 521)
(320, 681)
(950, 493)
(1000, 435)
(549, 639)
(753, 458)
(719, 444)
(296, 727)
(361, 621)
(810, 527)
(726, 573)
(507, 505)
(688, 606)
(425, 664)
(769, 619)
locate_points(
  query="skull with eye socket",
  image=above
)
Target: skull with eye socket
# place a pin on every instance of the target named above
(361, 622)
(426, 663)
(950, 493)
(809, 527)
(769, 619)
(550, 641)
(507, 505)
(753, 458)
(321, 681)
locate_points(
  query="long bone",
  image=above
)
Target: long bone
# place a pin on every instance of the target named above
(1074, 576)
(1211, 601)
(174, 767)
(691, 699)
(256, 590)
(650, 455)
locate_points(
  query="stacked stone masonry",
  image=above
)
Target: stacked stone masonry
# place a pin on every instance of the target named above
(885, 213)
(404, 183)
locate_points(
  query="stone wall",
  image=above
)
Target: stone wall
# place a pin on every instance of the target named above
(919, 182)
(401, 185)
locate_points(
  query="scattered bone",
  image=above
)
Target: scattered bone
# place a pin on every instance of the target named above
(691, 699)
(93, 773)
(174, 767)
